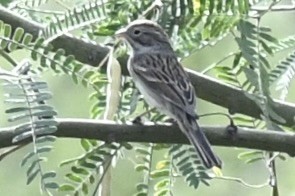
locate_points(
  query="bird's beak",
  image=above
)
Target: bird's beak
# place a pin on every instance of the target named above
(121, 33)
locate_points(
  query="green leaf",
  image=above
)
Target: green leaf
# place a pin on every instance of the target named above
(37, 114)
(251, 76)
(85, 144)
(27, 39)
(183, 161)
(45, 130)
(69, 60)
(96, 158)
(269, 38)
(26, 158)
(247, 29)
(18, 109)
(17, 35)
(50, 174)
(193, 180)
(227, 78)
(32, 176)
(43, 149)
(66, 187)
(88, 165)
(142, 151)
(141, 167)
(250, 154)
(141, 187)
(141, 194)
(68, 161)
(91, 179)
(102, 152)
(7, 30)
(179, 154)
(267, 48)
(38, 44)
(127, 145)
(51, 185)
(46, 138)
(186, 170)
(161, 184)
(74, 177)
(85, 188)
(160, 173)
(33, 165)
(79, 170)
(162, 164)
(162, 192)
(275, 115)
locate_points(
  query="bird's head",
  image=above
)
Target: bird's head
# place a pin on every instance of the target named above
(144, 35)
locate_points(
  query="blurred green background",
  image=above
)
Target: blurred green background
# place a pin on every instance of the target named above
(71, 100)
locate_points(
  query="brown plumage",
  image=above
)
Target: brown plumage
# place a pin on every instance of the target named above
(163, 82)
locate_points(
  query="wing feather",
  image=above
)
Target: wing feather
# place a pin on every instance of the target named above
(168, 78)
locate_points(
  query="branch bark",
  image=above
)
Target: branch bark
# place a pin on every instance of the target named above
(110, 131)
(207, 88)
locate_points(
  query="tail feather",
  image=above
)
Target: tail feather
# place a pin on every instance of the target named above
(198, 139)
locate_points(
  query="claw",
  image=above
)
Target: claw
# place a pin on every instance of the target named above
(137, 120)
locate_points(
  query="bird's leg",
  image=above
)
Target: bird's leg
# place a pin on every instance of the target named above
(137, 119)
(172, 121)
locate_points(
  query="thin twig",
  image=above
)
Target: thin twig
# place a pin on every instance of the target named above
(8, 58)
(277, 8)
(155, 4)
(10, 150)
(267, 9)
(105, 168)
(241, 181)
(273, 181)
(218, 62)
(40, 11)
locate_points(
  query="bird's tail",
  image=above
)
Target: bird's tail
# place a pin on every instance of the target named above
(198, 139)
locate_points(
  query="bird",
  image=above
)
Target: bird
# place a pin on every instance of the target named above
(163, 82)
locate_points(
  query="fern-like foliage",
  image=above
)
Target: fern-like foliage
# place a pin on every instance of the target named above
(254, 44)
(28, 8)
(247, 59)
(163, 174)
(96, 160)
(249, 66)
(27, 96)
(284, 44)
(144, 155)
(283, 74)
(129, 100)
(252, 156)
(48, 59)
(28, 3)
(195, 24)
(189, 165)
(81, 16)
(12, 40)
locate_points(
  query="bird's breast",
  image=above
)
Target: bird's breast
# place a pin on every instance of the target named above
(148, 92)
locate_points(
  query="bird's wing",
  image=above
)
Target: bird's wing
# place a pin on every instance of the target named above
(167, 77)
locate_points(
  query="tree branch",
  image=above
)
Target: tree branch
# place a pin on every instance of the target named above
(113, 132)
(207, 88)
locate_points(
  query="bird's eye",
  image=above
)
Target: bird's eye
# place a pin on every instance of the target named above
(136, 32)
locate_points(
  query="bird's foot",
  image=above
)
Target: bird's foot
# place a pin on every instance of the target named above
(137, 120)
